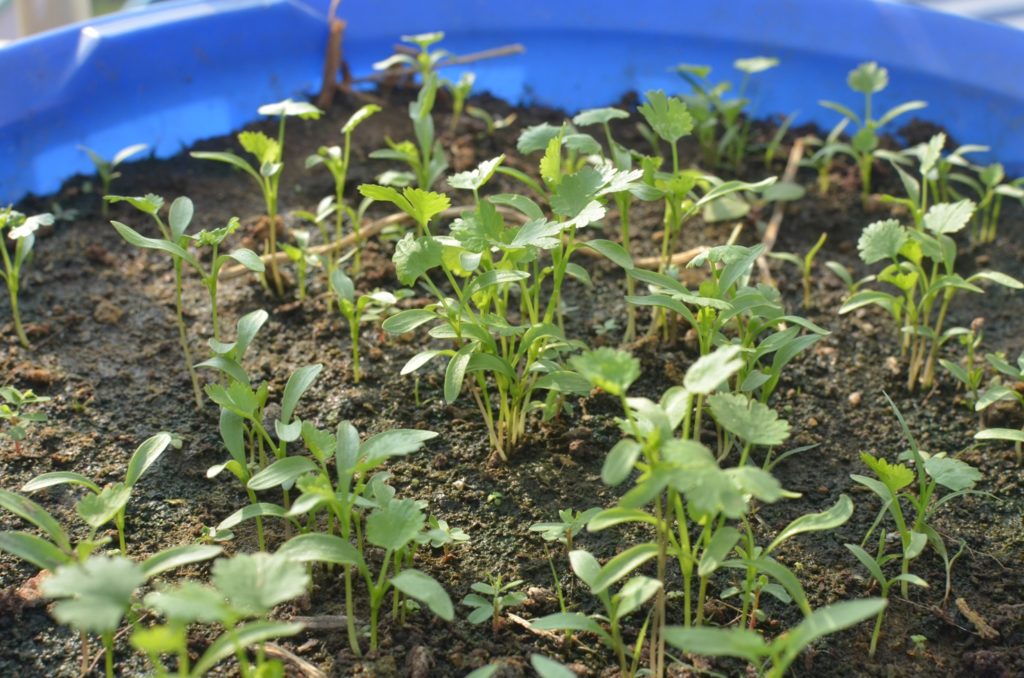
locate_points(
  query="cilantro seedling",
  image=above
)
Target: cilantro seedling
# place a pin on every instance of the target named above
(824, 154)
(922, 267)
(299, 255)
(971, 373)
(491, 124)
(15, 409)
(460, 92)
(868, 79)
(425, 157)
(571, 523)
(491, 598)
(424, 60)
(106, 170)
(997, 391)
(337, 160)
(875, 567)
(21, 229)
(805, 264)
(357, 310)
(269, 156)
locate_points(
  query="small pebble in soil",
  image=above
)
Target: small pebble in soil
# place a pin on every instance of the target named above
(854, 399)
(812, 422)
(893, 365)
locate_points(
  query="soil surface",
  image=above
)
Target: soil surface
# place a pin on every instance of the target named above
(105, 349)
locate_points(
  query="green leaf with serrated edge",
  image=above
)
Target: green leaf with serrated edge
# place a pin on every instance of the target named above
(243, 636)
(321, 548)
(815, 522)
(178, 556)
(395, 525)
(595, 116)
(753, 422)
(359, 117)
(949, 217)
(281, 473)
(668, 116)
(93, 596)
(255, 582)
(881, 240)
(893, 476)
(711, 370)
(473, 180)
(427, 590)
(99, 509)
(622, 564)
(868, 78)
(609, 369)
(415, 256)
(536, 138)
(147, 204)
(33, 549)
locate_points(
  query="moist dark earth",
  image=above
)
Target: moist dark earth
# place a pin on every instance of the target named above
(105, 349)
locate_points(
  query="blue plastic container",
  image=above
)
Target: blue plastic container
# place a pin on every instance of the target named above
(186, 70)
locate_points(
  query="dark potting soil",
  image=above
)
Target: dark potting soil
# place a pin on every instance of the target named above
(105, 349)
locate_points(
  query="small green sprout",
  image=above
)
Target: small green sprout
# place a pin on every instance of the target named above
(805, 264)
(460, 92)
(991, 188)
(419, 204)
(491, 124)
(21, 229)
(826, 150)
(424, 61)
(337, 160)
(490, 599)
(357, 310)
(868, 79)
(998, 391)
(571, 523)
(972, 372)
(299, 255)
(425, 158)
(13, 409)
(875, 567)
(107, 170)
(269, 156)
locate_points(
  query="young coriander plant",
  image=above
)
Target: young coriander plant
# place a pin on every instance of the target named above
(14, 409)
(106, 170)
(997, 391)
(269, 156)
(425, 157)
(490, 599)
(805, 264)
(424, 61)
(357, 310)
(867, 79)
(21, 229)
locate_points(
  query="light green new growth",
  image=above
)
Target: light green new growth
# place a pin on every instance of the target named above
(21, 229)
(106, 170)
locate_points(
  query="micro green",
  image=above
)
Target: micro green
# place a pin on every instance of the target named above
(971, 373)
(337, 160)
(356, 310)
(867, 79)
(921, 265)
(21, 229)
(269, 157)
(875, 567)
(423, 60)
(489, 599)
(460, 93)
(569, 524)
(17, 409)
(805, 264)
(425, 157)
(1000, 390)
(106, 170)
(301, 257)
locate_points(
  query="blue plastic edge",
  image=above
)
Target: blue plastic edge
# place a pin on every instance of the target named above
(180, 71)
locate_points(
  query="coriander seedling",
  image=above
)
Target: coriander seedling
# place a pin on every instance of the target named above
(571, 523)
(805, 264)
(868, 79)
(875, 567)
(491, 598)
(971, 373)
(460, 92)
(13, 410)
(425, 158)
(299, 255)
(269, 156)
(21, 229)
(424, 61)
(356, 310)
(1014, 374)
(107, 170)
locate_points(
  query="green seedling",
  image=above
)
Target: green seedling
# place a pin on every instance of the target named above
(269, 156)
(570, 524)
(990, 187)
(337, 160)
(21, 229)
(971, 373)
(491, 598)
(243, 592)
(174, 242)
(443, 536)
(491, 124)
(633, 594)
(460, 92)
(773, 659)
(805, 264)
(108, 504)
(897, 484)
(875, 566)
(868, 79)
(998, 391)
(14, 408)
(357, 310)
(824, 154)
(922, 267)
(299, 255)
(425, 158)
(424, 61)
(421, 205)
(844, 275)
(920, 190)
(771, 148)
(106, 170)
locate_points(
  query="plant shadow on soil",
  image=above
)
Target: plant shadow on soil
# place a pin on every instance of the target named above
(105, 348)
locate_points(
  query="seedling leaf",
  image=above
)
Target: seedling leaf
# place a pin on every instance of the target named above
(427, 590)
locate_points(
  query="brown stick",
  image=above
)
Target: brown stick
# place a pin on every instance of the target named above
(504, 50)
(305, 668)
(771, 233)
(332, 63)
